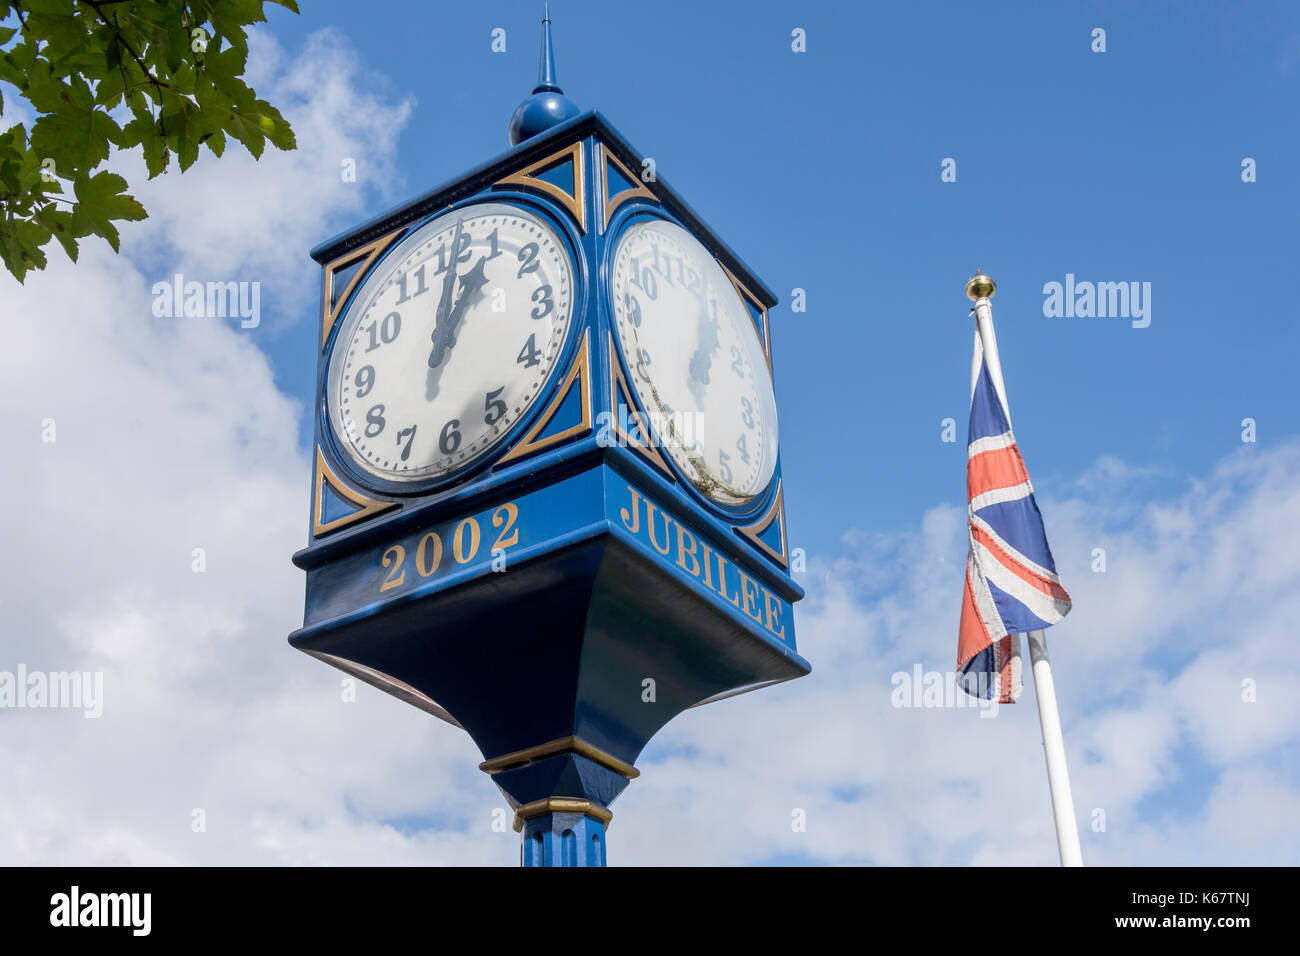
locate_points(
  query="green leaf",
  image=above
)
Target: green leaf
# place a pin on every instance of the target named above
(155, 154)
(73, 62)
(247, 128)
(76, 140)
(101, 199)
(20, 246)
(111, 88)
(60, 222)
(216, 142)
(56, 7)
(62, 31)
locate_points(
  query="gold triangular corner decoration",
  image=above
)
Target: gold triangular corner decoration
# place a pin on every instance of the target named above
(608, 203)
(753, 533)
(580, 374)
(618, 390)
(367, 506)
(370, 252)
(576, 204)
(747, 296)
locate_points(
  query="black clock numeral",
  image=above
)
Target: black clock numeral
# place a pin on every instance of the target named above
(693, 282)
(462, 253)
(494, 407)
(375, 420)
(401, 284)
(528, 256)
(381, 333)
(449, 440)
(542, 296)
(633, 311)
(723, 467)
(530, 354)
(747, 413)
(740, 447)
(409, 435)
(736, 359)
(644, 277)
(492, 241)
(365, 380)
(666, 272)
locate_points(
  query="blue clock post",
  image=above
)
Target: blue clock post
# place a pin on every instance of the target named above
(547, 503)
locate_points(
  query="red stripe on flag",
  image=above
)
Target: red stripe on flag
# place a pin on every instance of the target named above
(1004, 648)
(1036, 581)
(972, 635)
(991, 470)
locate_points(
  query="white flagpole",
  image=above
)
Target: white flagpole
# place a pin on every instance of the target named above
(1058, 777)
(980, 289)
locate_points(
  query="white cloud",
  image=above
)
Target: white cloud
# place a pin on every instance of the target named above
(256, 219)
(171, 435)
(1201, 593)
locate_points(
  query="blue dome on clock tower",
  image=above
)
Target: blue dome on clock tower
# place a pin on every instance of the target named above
(548, 106)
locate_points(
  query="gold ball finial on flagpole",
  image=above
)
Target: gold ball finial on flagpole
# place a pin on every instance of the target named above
(980, 286)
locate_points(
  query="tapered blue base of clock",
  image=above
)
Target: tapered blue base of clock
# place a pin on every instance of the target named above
(563, 667)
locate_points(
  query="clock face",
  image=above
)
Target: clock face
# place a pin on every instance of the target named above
(449, 342)
(696, 361)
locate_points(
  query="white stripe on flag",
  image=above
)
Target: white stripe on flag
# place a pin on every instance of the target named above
(1044, 606)
(988, 610)
(999, 495)
(990, 443)
(997, 538)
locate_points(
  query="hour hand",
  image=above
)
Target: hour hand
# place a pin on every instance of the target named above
(470, 284)
(444, 333)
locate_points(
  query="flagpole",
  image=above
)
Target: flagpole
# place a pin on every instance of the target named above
(980, 289)
(1058, 776)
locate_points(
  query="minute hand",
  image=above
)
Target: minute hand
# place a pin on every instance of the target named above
(444, 336)
(441, 333)
(702, 359)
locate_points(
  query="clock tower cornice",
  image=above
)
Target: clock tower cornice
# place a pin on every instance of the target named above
(584, 126)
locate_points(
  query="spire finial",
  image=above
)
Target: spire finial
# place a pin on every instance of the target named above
(546, 66)
(548, 106)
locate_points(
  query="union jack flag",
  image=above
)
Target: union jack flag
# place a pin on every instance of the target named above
(1011, 581)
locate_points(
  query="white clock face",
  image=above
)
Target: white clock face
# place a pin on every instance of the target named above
(450, 341)
(696, 361)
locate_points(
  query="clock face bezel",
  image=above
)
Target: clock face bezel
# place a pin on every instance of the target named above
(578, 320)
(622, 221)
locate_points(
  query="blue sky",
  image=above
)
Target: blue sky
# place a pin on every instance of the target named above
(1176, 669)
(823, 170)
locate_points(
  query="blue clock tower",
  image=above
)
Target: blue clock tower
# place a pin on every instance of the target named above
(604, 557)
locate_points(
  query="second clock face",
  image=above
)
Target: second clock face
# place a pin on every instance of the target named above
(448, 344)
(696, 362)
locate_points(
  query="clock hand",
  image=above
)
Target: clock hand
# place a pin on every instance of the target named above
(471, 286)
(702, 359)
(441, 332)
(471, 283)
